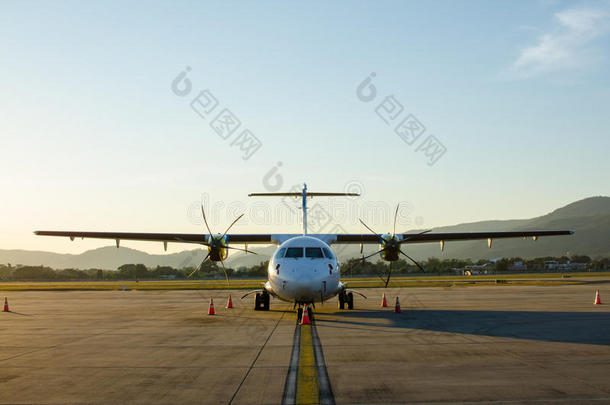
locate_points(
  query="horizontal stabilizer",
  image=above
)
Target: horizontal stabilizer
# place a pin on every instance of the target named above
(300, 194)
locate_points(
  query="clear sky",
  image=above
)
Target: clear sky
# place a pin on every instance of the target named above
(94, 138)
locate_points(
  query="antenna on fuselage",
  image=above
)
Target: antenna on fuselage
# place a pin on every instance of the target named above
(304, 194)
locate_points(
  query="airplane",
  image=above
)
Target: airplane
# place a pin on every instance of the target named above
(304, 269)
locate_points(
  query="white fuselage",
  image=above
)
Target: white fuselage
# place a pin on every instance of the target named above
(304, 269)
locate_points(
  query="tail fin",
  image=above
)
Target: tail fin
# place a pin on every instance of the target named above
(304, 194)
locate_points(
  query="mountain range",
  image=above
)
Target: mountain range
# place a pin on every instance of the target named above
(588, 218)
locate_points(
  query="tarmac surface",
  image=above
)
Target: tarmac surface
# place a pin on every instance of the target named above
(498, 344)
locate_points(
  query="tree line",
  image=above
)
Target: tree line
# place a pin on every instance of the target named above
(353, 267)
(434, 265)
(127, 272)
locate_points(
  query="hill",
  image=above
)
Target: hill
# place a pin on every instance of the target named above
(108, 257)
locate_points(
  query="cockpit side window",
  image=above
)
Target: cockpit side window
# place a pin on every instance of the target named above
(328, 253)
(313, 252)
(294, 252)
(280, 253)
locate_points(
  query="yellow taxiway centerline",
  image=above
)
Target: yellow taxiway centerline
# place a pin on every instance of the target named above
(308, 391)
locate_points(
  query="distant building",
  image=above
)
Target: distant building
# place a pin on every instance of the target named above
(568, 266)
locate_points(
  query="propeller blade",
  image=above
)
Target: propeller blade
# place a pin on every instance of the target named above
(193, 272)
(188, 241)
(413, 260)
(206, 223)
(199, 267)
(226, 274)
(372, 231)
(389, 275)
(395, 216)
(243, 250)
(373, 254)
(412, 236)
(232, 223)
(361, 261)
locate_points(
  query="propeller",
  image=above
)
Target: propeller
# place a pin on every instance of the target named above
(215, 244)
(392, 245)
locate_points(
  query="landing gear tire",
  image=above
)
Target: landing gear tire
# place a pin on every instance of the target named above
(266, 298)
(342, 299)
(350, 301)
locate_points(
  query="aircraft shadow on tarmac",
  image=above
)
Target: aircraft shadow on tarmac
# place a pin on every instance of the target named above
(18, 313)
(564, 327)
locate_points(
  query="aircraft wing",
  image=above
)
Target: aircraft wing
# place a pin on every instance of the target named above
(162, 237)
(445, 236)
(267, 239)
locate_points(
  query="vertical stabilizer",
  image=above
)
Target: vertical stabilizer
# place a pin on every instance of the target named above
(304, 195)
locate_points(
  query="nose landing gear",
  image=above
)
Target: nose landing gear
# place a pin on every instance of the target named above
(310, 308)
(346, 298)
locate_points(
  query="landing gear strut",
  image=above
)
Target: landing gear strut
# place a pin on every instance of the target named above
(346, 298)
(261, 301)
(310, 308)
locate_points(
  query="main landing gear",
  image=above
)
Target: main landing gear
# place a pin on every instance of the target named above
(261, 301)
(346, 298)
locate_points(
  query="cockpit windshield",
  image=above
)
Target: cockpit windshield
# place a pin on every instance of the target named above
(314, 253)
(310, 252)
(328, 253)
(293, 252)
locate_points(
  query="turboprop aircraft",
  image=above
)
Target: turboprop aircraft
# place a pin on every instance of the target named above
(304, 269)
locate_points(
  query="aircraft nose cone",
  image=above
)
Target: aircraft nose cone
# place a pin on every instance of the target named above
(304, 289)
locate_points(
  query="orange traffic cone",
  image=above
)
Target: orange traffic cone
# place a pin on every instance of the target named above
(597, 301)
(6, 305)
(305, 316)
(397, 307)
(211, 310)
(230, 302)
(384, 303)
